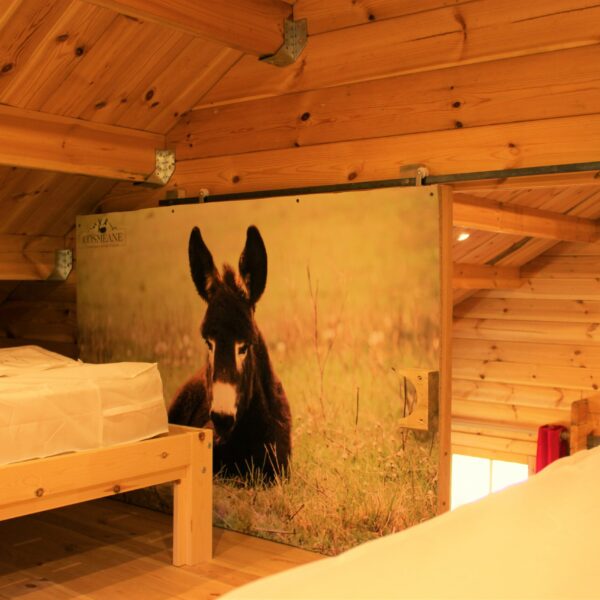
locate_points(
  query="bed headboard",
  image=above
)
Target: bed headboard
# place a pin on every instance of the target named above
(585, 424)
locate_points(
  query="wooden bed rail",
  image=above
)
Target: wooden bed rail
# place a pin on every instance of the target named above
(184, 457)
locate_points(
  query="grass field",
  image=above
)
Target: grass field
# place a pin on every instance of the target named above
(352, 297)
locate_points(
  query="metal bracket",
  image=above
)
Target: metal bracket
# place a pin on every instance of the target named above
(164, 169)
(63, 265)
(419, 172)
(295, 34)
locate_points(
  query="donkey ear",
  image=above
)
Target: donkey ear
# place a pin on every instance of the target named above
(253, 264)
(204, 272)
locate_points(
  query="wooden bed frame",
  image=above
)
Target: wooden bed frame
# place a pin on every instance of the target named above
(183, 456)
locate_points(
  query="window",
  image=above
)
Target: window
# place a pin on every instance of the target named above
(474, 477)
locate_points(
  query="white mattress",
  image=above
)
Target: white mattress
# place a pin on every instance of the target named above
(50, 404)
(538, 539)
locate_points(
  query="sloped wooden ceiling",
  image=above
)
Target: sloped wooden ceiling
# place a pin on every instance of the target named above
(75, 59)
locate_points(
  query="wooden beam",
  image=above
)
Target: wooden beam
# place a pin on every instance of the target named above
(471, 277)
(492, 147)
(252, 26)
(28, 257)
(477, 31)
(413, 103)
(489, 215)
(42, 141)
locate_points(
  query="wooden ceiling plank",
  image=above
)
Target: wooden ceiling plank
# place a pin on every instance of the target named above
(173, 89)
(252, 26)
(22, 29)
(27, 191)
(118, 52)
(61, 50)
(27, 258)
(42, 141)
(152, 53)
(472, 276)
(54, 213)
(489, 215)
(477, 31)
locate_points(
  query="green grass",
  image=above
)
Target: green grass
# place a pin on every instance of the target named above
(345, 307)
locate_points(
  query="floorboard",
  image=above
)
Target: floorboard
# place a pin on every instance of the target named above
(105, 549)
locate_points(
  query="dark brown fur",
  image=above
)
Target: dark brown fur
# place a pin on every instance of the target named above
(260, 438)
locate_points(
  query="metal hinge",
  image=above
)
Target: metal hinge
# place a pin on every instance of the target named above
(164, 167)
(295, 34)
(418, 172)
(63, 265)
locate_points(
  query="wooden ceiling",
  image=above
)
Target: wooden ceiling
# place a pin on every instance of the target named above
(103, 70)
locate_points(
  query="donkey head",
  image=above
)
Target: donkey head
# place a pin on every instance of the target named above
(229, 329)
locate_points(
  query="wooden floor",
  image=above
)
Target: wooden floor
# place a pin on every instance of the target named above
(109, 550)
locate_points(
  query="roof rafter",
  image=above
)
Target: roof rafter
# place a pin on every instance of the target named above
(37, 140)
(489, 215)
(252, 26)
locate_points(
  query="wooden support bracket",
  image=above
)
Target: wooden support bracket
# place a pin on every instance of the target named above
(421, 397)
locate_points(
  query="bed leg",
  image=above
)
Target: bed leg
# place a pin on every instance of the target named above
(192, 505)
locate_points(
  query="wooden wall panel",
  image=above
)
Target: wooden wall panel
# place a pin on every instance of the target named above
(514, 145)
(522, 357)
(41, 313)
(518, 89)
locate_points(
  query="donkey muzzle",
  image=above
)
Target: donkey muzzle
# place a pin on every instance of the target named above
(224, 407)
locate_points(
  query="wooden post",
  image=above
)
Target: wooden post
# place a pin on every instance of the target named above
(445, 400)
(192, 504)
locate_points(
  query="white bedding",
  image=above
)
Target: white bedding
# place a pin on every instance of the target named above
(50, 404)
(538, 539)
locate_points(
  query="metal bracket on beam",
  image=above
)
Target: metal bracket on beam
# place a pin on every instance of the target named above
(164, 169)
(417, 172)
(63, 265)
(295, 34)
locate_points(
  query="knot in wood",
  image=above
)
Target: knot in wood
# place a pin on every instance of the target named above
(117, 488)
(39, 492)
(201, 436)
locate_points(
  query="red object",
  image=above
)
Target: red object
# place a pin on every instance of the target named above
(550, 445)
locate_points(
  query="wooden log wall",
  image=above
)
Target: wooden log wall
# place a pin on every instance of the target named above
(37, 216)
(43, 313)
(460, 86)
(521, 357)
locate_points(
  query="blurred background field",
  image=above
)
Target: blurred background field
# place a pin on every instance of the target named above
(352, 297)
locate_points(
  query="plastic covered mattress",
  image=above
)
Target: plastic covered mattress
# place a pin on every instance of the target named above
(50, 404)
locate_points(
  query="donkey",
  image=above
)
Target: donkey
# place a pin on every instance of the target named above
(237, 394)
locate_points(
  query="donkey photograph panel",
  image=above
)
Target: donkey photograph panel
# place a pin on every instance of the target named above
(236, 394)
(352, 299)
